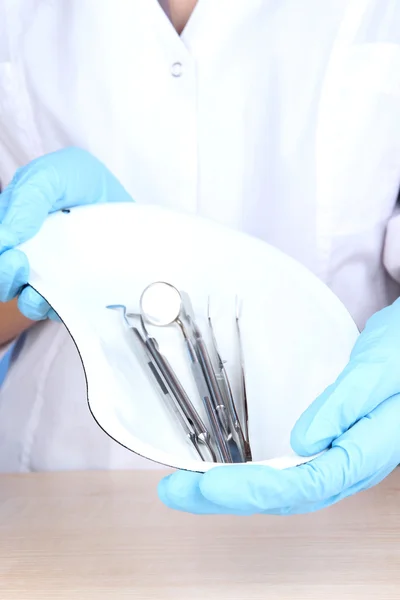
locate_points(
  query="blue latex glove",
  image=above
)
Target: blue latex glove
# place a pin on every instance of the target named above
(357, 418)
(63, 179)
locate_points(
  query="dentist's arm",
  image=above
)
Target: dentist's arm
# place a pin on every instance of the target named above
(12, 322)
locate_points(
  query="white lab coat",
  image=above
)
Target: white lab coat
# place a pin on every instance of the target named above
(277, 117)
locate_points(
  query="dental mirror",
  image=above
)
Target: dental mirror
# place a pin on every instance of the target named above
(160, 304)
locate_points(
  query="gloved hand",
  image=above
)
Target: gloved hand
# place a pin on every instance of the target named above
(357, 419)
(63, 179)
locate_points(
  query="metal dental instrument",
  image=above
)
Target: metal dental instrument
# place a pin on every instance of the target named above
(204, 393)
(179, 392)
(211, 377)
(161, 304)
(206, 364)
(155, 374)
(245, 411)
(226, 390)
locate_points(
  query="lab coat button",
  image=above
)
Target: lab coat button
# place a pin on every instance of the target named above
(176, 69)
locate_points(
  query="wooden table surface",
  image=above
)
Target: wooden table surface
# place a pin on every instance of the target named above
(96, 536)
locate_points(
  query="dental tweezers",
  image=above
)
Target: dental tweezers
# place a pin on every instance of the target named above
(226, 390)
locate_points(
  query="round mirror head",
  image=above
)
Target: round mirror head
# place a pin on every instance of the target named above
(160, 304)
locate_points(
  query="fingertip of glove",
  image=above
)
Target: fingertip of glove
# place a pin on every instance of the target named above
(305, 445)
(178, 487)
(299, 442)
(309, 433)
(53, 316)
(32, 305)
